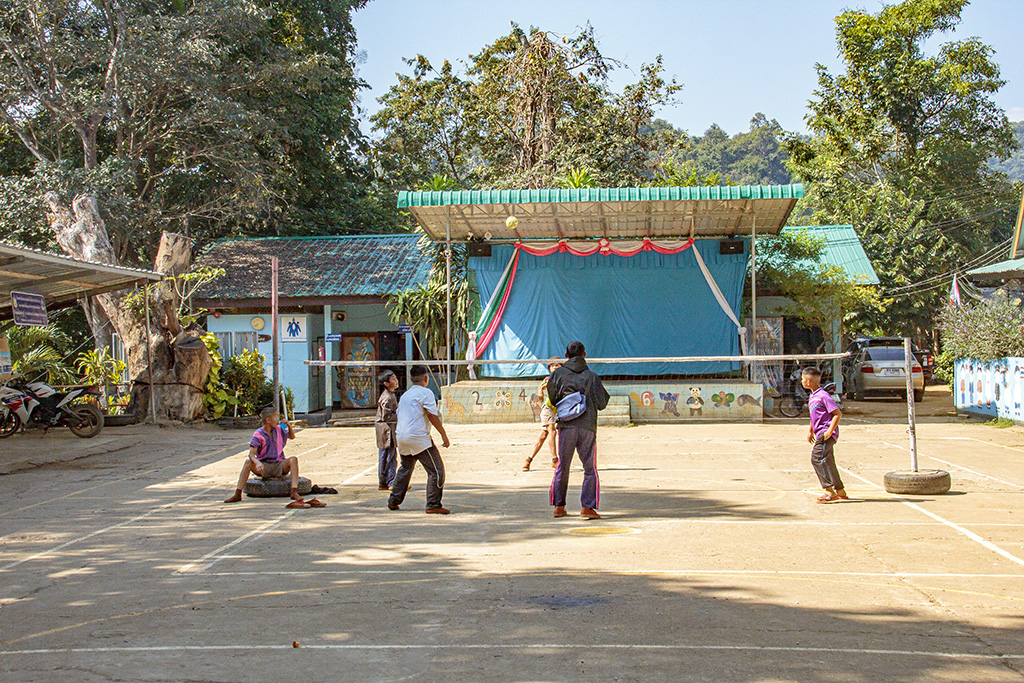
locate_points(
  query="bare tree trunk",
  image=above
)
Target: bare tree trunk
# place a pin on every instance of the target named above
(181, 362)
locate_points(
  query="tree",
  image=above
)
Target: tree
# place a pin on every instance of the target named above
(752, 158)
(899, 147)
(204, 118)
(531, 107)
(423, 120)
(821, 294)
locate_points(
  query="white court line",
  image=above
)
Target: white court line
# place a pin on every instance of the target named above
(104, 530)
(255, 533)
(956, 527)
(612, 572)
(952, 464)
(528, 646)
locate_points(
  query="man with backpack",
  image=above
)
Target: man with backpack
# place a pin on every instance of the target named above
(578, 394)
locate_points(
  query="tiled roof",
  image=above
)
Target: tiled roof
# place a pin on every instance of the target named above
(357, 265)
(842, 248)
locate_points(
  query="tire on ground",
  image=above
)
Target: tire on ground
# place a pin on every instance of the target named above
(922, 482)
(275, 488)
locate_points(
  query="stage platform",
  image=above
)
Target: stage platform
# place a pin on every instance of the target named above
(497, 401)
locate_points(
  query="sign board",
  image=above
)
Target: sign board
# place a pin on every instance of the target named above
(262, 338)
(405, 329)
(293, 328)
(333, 337)
(29, 308)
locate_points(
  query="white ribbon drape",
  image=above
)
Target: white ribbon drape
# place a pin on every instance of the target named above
(721, 300)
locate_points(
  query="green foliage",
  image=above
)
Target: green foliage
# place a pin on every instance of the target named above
(38, 353)
(438, 183)
(1012, 166)
(1000, 422)
(98, 367)
(756, 157)
(531, 107)
(185, 286)
(245, 375)
(899, 147)
(820, 293)
(576, 178)
(215, 395)
(686, 175)
(209, 118)
(986, 330)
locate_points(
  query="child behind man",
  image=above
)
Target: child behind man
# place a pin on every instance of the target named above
(548, 419)
(824, 433)
(385, 423)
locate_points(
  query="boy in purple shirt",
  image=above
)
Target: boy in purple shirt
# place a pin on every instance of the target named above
(824, 432)
(266, 459)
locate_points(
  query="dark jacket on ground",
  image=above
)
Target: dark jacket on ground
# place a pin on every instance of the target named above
(574, 375)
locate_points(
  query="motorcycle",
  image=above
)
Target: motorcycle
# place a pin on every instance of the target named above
(794, 401)
(37, 405)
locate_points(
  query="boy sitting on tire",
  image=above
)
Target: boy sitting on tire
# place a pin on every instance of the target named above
(266, 459)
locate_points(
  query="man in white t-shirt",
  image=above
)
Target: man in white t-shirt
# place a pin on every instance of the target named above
(417, 410)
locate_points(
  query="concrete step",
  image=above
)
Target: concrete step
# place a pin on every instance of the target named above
(616, 413)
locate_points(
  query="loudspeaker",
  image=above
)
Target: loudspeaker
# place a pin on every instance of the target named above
(730, 247)
(478, 249)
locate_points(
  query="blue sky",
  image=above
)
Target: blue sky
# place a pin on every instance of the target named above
(733, 57)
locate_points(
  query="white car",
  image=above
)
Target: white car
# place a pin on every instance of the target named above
(882, 370)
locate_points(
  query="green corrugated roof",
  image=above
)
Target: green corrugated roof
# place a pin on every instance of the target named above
(603, 194)
(590, 213)
(1012, 268)
(350, 265)
(842, 248)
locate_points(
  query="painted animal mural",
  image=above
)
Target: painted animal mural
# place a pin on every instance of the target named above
(695, 402)
(671, 404)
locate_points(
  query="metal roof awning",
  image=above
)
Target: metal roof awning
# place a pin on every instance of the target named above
(1004, 270)
(630, 213)
(62, 280)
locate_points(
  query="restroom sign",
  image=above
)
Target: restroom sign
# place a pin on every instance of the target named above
(293, 328)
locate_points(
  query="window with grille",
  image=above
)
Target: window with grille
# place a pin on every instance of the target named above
(244, 341)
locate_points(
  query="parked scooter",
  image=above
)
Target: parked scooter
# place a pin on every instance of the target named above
(37, 405)
(794, 399)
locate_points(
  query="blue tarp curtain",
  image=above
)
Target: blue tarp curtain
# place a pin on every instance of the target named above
(645, 305)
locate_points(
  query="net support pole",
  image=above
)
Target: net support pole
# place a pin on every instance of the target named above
(752, 345)
(149, 358)
(274, 331)
(911, 412)
(448, 296)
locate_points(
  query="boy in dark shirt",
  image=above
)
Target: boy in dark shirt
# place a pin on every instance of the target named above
(579, 434)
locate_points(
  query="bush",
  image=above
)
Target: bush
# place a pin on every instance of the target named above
(245, 375)
(987, 330)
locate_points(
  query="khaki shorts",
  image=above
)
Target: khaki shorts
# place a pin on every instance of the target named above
(547, 416)
(272, 470)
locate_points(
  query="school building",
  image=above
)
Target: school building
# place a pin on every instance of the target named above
(332, 293)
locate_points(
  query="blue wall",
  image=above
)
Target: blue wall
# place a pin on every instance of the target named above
(993, 388)
(640, 306)
(306, 383)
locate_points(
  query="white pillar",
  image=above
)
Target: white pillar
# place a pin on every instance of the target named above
(328, 355)
(448, 295)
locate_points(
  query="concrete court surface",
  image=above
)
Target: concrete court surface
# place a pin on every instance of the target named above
(713, 562)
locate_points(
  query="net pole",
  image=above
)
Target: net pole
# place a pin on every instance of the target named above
(911, 412)
(753, 291)
(274, 331)
(149, 357)
(448, 295)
